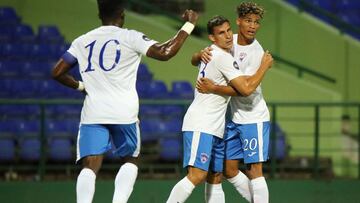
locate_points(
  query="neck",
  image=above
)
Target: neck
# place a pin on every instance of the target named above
(225, 49)
(242, 40)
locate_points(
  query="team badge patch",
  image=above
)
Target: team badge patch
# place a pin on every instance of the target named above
(204, 157)
(145, 38)
(242, 56)
(236, 66)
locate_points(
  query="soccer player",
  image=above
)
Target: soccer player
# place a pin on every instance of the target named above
(204, 121)
(108, 58)
(247, 134)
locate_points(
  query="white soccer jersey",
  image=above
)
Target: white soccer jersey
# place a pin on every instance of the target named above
(108, 59)
(251, 109)
(207, 111)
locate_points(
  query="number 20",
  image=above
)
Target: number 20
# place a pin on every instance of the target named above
(101, 55)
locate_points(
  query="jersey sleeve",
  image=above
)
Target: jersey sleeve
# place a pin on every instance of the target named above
(228, 67)
(140, 42)
(70, 55)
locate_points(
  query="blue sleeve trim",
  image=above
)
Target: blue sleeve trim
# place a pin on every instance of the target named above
(68, 58)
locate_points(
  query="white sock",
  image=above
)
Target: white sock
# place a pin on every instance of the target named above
(214, 193)
(242, 184)
(181, 191)
(124, 182)
(85, 186)
(260, 190)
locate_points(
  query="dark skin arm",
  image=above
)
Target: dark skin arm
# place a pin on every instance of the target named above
(60, 74)
(168, 49)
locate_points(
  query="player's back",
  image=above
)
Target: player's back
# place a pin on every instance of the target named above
(207, 111)
(108, 59)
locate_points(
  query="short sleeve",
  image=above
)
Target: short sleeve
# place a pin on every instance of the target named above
(70, 55)
(228, 67)
(140, 42)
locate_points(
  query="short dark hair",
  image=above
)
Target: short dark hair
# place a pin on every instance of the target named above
(109, 9)
(246, 8)
(215, 21)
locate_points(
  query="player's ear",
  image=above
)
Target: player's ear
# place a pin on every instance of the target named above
(212, 38)
(238, 21)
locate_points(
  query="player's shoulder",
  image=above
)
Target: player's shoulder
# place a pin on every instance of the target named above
(219, 53)
(257, 46)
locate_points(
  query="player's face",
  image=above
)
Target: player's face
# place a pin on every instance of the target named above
(222, 36)
(248, 26)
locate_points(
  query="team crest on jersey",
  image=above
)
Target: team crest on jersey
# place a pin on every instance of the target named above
(145, 38)
(204, 157)
(242, 56)
(236, 66)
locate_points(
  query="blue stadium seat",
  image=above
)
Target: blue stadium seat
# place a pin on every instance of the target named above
(150, 111)
(57, 50)
(8, 16)
(7, 150)
(36, 70)
(25, 89)
(170, 149)
(29, 149)
(60, 149)
(40, 52)
(10, 69)
(157, 90)
(23, 33)
(142, 89)
(148, 130)
(281, 144)
(7, 129)
(49, 34)
(6, 87)
(143, 73)
(182, 90)
(27, 128)
(6, 33)
(173, 111)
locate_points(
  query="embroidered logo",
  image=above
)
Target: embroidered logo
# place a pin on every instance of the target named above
(145, 38)
(251, 154)
(204, 157)
(242, 56)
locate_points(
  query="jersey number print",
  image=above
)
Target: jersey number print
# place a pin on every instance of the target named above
(101, 55)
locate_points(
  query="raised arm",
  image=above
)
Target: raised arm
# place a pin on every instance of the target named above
(168, 49)
(246, 85)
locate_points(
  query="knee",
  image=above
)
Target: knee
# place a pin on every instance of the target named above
(214, 178)
(254, 171)
(93, 163)
(197, 177)
(230, 172)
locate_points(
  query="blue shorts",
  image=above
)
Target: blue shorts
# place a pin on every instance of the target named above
(203, 151)
(97, 139)
(247, 141)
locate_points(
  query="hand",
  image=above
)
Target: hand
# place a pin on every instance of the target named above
(191, 16)
(205, 54)
(205, 85)
(267, 59)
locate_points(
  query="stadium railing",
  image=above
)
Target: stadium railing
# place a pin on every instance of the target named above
(315, 161)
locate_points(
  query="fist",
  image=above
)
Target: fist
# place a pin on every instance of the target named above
(267, 59)
(191, 16)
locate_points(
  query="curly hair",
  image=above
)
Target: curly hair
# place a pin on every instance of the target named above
(108, 9)
(246, 8)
